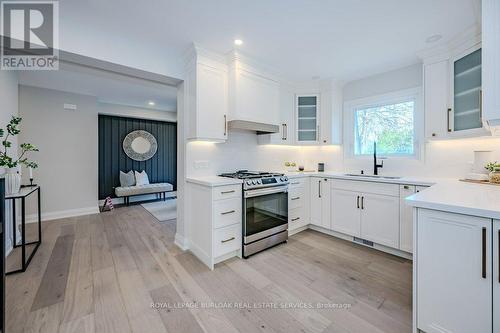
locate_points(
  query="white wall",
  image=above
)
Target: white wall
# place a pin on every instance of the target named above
(68, 143)
(9, 108)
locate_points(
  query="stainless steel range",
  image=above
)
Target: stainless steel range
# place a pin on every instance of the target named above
(265, 209)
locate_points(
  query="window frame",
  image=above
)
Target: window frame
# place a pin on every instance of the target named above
(350, 107)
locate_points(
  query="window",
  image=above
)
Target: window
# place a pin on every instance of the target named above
(390, 125)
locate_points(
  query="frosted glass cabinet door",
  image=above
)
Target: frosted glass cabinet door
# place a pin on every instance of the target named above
(467, 92)
(307, 118)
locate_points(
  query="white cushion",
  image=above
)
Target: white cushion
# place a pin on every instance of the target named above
(127, 179)
(143, 189)
(141, 178)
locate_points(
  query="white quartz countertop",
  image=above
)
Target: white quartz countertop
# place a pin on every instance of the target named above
(424, 181)
(481, 200)
(213, 181)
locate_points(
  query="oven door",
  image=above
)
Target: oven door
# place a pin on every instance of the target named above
(266, 213)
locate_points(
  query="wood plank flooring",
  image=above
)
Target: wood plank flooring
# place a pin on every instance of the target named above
(120, 271)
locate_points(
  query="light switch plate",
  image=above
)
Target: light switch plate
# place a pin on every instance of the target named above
(71, 107)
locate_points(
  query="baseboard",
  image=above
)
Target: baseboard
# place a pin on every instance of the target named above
(202, 256)
(181, 242)
(32, 218)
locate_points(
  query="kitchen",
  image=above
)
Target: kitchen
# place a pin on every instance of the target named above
(322, 166)
(346, 198)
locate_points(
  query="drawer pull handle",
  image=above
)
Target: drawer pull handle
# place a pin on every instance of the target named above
(296, 198)
(296, 219)
(357, 201)
(228, 212)
(227, 192)
(362, 202)
(227, 240)
(296, 183)
(483, 254)
(406, 187)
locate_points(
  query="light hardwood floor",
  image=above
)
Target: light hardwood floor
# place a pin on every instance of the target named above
(102, 273)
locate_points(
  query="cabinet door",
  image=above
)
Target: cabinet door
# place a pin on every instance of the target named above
(346, 212)
(491, 60)
(436, 92)
(405, 219)
(211, 103)
(496, 276)
(325, 204)
(466, 90)
(316, 207)
(453, 272)
(380, 219)
(286, 123)
(307, 113)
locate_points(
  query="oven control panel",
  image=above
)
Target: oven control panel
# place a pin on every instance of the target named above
(264, 182)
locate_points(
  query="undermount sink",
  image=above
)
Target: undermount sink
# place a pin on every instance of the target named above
(370, 176)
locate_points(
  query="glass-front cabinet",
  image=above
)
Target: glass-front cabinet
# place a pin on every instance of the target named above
(307, 113)
(465, 112)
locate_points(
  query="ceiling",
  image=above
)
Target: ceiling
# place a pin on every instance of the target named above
(343, 39)
(107, 87)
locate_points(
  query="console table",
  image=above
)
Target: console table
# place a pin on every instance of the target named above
(25, 192)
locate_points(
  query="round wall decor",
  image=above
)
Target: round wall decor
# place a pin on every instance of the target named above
(140, 145)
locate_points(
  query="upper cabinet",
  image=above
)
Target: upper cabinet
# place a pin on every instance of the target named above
(286, 121)
(466, 92)
(254, 95)
(307, 118)
(453, 89)
(205, 97)
(491, 63)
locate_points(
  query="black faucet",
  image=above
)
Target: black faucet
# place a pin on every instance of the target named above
(375, 165)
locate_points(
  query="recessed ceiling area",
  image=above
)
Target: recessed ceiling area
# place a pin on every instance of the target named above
(342, 39)
(106, 86)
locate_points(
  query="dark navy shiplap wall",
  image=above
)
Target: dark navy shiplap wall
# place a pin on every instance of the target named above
(162, 167)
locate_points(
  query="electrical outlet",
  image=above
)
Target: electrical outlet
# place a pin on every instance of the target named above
(70, 107)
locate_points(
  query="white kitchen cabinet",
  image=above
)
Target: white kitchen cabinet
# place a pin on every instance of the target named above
(298, 204)
(453, 272)
(346, 212)
(254, 95)
(286, 121)
(307, 118)
(466, 108)
(320, 202)
(215, 225)
(436, 90)
(366, 209)
(496, 276)
(380, 219)
(406, 218)
(491, 61)
(206, 97)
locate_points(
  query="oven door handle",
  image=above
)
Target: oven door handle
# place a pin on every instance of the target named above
(265, 191)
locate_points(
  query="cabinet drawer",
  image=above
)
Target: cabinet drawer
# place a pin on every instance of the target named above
(297, 182)
(295, 198)
(227, 212)
(366, 187)
(227, 239)
(226, 192)
(296, 218)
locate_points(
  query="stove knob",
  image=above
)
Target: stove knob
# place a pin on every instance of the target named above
(259, 181)
(249, 182)
(286, 178)
(282, 179)
(254, 182)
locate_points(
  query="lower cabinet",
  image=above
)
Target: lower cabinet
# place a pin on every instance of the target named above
(371, 213)
(298, 204)
(346, 212)
(214, 222)
(320, 202)
(453, 266)
(380, 219)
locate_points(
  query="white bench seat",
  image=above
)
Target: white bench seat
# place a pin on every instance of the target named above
(130, 191)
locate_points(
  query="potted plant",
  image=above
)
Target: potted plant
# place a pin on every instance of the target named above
(494, 169)
(11, 164)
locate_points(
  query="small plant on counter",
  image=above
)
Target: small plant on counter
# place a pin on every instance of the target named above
(5, 160)
(492, 166)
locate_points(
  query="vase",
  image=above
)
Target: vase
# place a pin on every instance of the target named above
(12, 181)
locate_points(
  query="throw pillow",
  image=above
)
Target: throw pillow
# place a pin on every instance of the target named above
(141, 178)
(127, 179)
